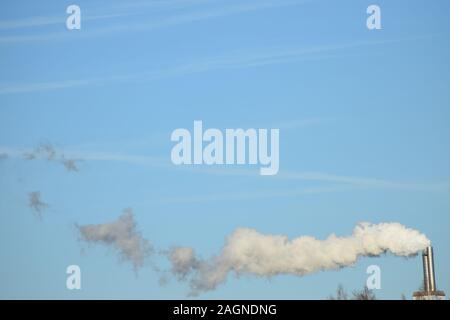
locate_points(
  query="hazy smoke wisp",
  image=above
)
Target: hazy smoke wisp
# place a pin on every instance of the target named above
(69, 164)
(47, 151)
(35, 202)
(121, 235)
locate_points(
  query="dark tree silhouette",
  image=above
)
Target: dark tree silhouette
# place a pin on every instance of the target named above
(364, 294)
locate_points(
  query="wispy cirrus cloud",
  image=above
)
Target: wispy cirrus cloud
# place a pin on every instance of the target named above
(334, 182)
(43, 21)
(70, 158)
(303, 123)
(63, 84)
(245, 195)
(211, 11)
(231, 61)
(118, 10)
(161, 5)
(328, 183)
(30, 22)
(363, 182)
(122, 9)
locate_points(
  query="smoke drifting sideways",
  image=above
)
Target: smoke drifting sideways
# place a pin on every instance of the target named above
(35, 202)
(247, 251)
(47, 151)
(122, 236)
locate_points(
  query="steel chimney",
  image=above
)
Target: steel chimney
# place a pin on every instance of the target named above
(429, 291)
(429, 281)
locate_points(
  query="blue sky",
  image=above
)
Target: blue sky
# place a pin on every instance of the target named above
(363, 118)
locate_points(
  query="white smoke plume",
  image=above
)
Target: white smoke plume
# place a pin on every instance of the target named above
(121, 235)
(247, 251)
(183, 261)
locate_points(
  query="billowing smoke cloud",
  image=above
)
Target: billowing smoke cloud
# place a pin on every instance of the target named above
(247, 251)
(3, 156)
(47, 151)
(35, 202)
(122, 235)
(183, 261)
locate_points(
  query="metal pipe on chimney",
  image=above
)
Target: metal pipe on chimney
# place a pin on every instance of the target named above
(432, 280)
(426, 281)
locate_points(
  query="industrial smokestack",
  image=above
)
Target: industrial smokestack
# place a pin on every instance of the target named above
(428, 269)
(429, 282)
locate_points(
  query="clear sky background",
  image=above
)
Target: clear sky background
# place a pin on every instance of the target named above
(366, 111)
